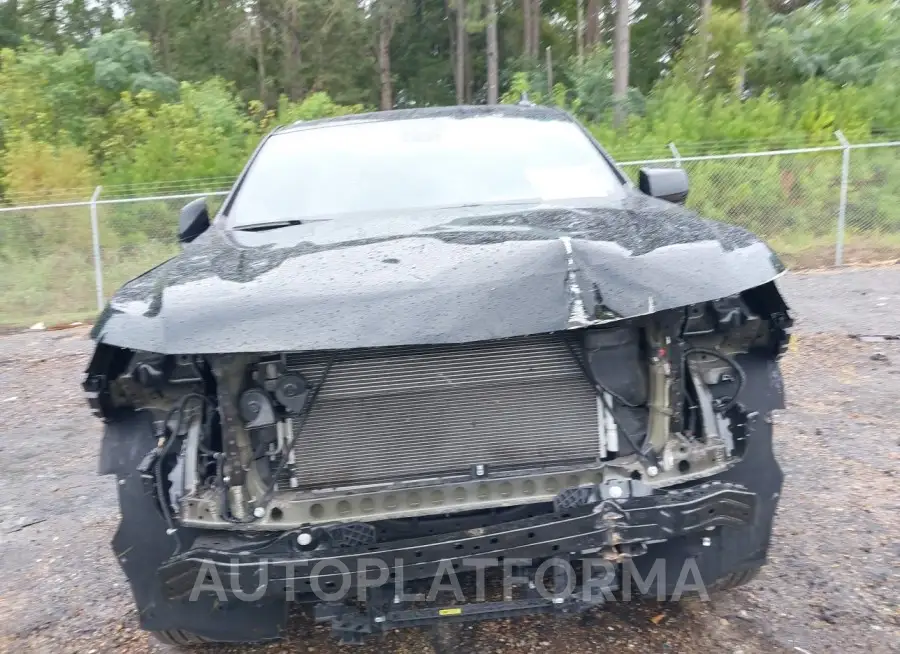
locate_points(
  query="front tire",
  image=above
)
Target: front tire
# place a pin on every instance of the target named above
(180, 638)
(735, 579)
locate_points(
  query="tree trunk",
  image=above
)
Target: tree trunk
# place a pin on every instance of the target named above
(592, 30)
(526, 28)
(260, 55)
(384, 62)
(579, 30)
(286, 60)
(745, 28)
(163, 36)
(621, 61)
(454, 50)
(290, 55)
(12, 13)
(703, 33)
(216, 63)
(491, 52)
(469, 70)
(536, 28)
(462, 41)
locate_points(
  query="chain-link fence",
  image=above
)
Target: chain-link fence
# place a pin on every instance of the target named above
(815, 206)
(46, 265)
(59, 262)
(872, 224)
(138, 234)
(791, 200)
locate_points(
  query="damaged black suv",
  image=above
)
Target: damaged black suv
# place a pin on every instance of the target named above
(417, 341)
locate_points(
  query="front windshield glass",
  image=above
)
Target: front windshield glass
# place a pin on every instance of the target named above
(421, 163)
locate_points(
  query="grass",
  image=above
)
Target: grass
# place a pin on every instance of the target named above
(59, 287)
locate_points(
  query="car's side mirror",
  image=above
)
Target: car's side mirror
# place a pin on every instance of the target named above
(670, 184)
(193, 221)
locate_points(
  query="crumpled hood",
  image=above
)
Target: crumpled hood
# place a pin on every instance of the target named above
(434, 277)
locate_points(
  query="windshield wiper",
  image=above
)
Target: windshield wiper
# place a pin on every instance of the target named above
(275, 224)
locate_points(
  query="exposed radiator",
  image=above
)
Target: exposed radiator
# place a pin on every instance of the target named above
(418, 412)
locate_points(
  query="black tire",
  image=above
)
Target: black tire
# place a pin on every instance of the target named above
(735, 579)
(726, 583)
(179, 638)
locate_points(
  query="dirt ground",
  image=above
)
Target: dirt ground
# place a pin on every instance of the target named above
(833, 583)
(856, 252)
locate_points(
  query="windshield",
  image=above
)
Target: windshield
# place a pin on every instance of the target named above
(420, 163)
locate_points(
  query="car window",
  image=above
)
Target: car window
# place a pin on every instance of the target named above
(422, 163)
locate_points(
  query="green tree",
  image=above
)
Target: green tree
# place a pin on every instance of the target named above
(124, 62)
(47, 96)
(845, 45)
(205, 134)
(658, 34)
(712, 64)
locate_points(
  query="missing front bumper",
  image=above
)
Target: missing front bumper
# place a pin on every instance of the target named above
(589, 519)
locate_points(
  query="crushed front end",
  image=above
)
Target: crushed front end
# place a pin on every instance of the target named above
(349, 478)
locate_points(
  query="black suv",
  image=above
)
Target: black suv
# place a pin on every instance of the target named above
(427, 343)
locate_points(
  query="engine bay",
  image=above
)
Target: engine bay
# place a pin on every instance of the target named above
(249, 441)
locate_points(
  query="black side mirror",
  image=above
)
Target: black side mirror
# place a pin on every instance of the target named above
(193, 221)
(670, 184)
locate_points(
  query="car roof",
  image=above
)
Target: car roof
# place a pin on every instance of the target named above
(534, 112)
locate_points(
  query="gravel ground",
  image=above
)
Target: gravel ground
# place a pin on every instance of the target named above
(833, 583)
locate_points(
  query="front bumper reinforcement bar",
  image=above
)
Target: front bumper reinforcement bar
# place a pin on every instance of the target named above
(596, 520)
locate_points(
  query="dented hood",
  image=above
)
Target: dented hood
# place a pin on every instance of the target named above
(447, 276)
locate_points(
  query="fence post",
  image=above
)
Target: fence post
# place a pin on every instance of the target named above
(675, 154)
(95, 233)
(549, 54)
(842, 209)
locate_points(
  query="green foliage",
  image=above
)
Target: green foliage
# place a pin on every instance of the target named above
(32, 171)
(593, 87)
(314, 106)
(109, 99)
(46, 96)
(123, 62)
(846, 45)
(31, 167)
(713, 68)
(10, 35)
(184, 89)
(884, 98)
(421, 58)
(819, 107)
(659, 31)
(520, 88)
(590, 94)
(814, 70)
(202, 135)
